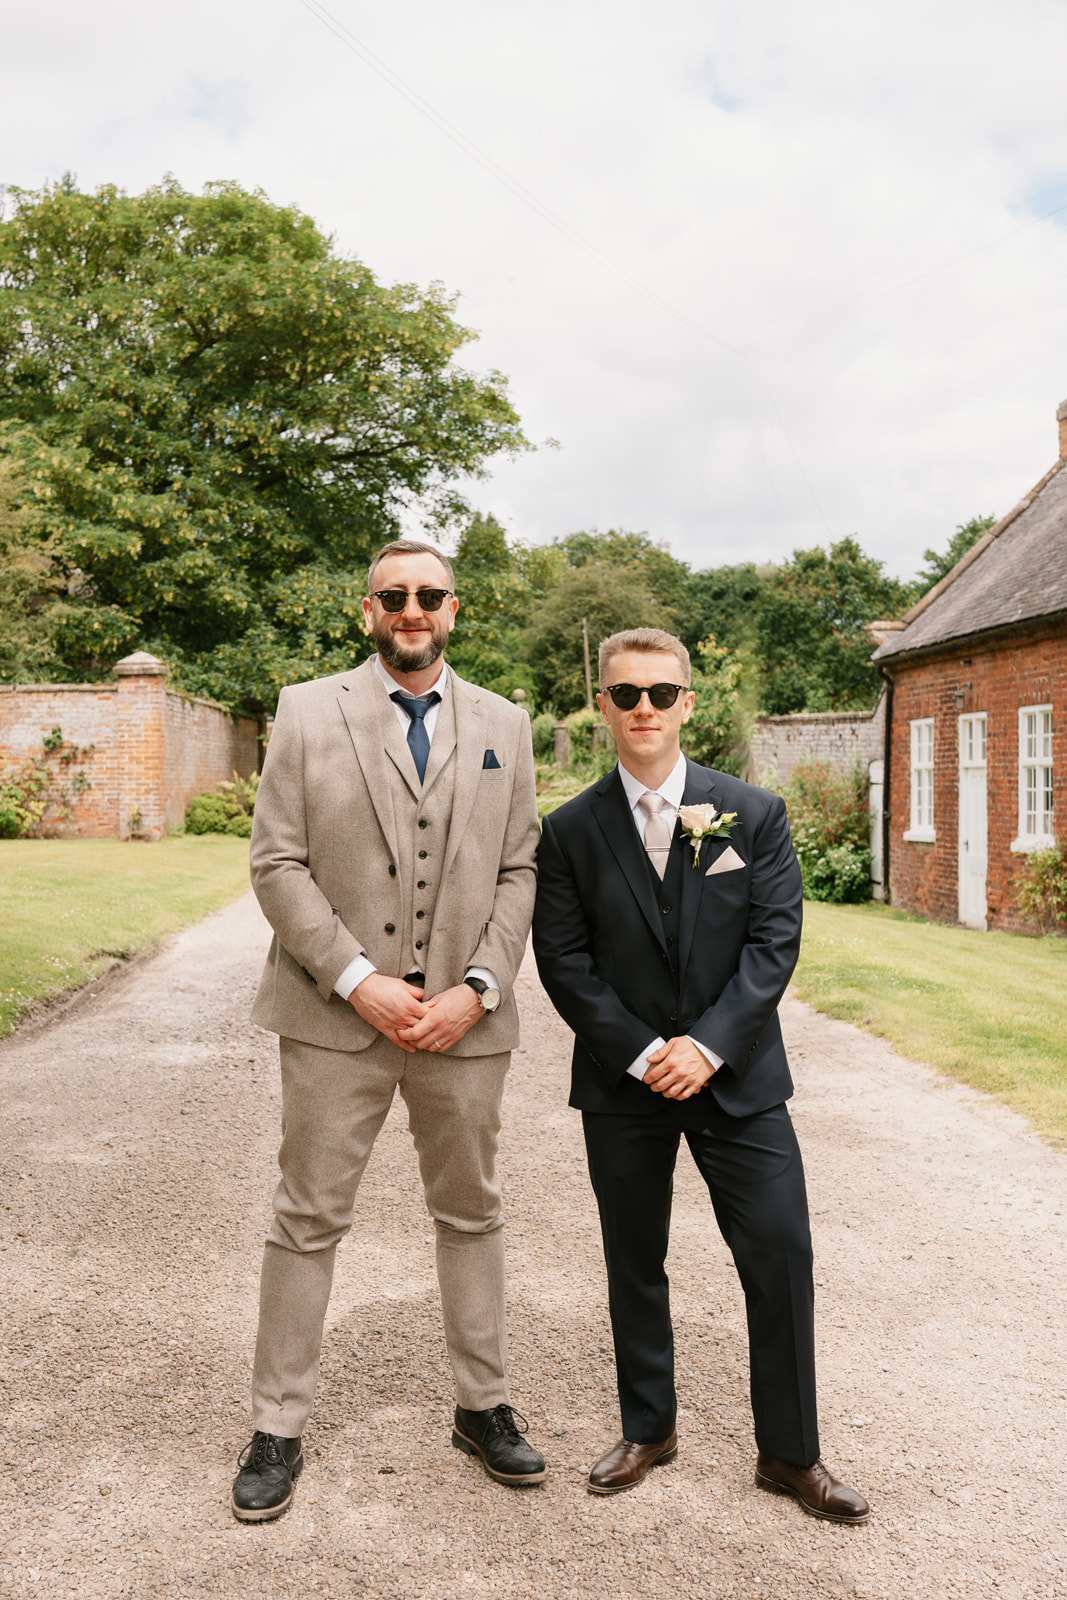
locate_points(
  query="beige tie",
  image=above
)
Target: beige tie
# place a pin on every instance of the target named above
(658, 831)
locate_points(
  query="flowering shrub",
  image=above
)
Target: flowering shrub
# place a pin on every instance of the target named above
(1041, 888)
(830, 823)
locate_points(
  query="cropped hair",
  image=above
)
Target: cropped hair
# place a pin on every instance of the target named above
(646, 641)
(409, 547)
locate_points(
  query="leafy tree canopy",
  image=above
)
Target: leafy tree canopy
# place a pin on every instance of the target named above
(610, 598)
(938, 565)
(30, 606)
(715, 734)
(218, 420)
(813, 648)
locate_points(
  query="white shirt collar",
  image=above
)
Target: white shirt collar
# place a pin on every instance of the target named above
(672, 788)
(440, 683)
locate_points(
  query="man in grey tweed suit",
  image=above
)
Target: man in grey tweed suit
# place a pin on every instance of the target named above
(393, 855)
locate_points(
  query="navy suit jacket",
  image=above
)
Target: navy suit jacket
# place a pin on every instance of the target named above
(602, 954)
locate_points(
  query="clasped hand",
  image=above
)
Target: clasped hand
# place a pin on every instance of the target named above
(677, 1069)
(399, 1012)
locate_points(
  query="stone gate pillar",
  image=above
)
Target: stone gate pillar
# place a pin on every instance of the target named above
(141, 736)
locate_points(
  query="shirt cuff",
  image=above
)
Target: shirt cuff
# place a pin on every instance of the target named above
(713, 1061)
(353, 976)
(485, 975)
(638, 1068)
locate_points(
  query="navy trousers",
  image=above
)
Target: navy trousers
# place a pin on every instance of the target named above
(755, 1176)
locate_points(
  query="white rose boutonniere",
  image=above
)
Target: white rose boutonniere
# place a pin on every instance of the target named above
(704, 822)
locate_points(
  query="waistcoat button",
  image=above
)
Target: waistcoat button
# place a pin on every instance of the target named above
(423, 823)
(419, 915)
(422, 855)
(418, 944)
(392, 871)
(390, 927)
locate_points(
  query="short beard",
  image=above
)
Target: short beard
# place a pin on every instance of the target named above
(401, 660)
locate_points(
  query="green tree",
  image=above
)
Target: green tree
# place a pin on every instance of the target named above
(938, 565)
(725, 601)
(715, 734)
(813, 649)
(30, 607)
(218, 419)
(609, 598)
(664, 577)
(494, 603)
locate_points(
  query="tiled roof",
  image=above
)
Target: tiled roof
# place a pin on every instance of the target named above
(1016, 572)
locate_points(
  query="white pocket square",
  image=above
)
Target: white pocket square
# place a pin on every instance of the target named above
(729, 861)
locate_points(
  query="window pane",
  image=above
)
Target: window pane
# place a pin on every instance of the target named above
(1031, 800)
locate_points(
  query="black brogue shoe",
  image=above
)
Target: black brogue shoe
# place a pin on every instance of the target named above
(496, 1437)
(263, 1488)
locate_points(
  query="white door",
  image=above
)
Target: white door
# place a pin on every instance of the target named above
(973, 821)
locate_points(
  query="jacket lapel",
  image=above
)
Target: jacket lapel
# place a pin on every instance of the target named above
(616, 822)
(470, 753)
(699, 790)
(363, 701)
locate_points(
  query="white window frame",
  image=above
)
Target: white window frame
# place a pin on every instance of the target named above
(1036, 792)
(922, 829)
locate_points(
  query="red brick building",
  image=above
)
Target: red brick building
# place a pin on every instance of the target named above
(977, 676)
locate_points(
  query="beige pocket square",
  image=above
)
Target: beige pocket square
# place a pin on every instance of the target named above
(729, 861)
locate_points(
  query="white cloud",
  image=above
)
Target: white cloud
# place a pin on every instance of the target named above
(847, 194)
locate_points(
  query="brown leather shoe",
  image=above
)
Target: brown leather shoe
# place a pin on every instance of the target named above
(820, 1494)
(624, 1466)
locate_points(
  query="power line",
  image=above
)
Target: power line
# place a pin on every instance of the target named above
(500, 174)
(351, 42)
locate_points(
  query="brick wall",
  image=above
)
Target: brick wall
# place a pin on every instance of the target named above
(996, 677)
(153, 749)
(202, 748)
(838, 737)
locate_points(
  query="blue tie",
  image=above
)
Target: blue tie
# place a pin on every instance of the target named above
(418, 738)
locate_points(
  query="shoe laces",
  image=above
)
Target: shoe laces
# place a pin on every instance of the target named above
(264, 1450)
(505, 1420)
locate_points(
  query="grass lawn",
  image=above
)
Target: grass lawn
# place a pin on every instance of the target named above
(69, 907)
(988, 1008)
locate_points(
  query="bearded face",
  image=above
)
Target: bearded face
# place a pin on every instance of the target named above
(411, 640)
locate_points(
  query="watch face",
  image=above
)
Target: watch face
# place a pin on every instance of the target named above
(490, 999)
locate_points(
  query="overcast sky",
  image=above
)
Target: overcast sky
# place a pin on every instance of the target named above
(785, 273)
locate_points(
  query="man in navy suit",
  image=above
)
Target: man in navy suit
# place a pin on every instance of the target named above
(666, 942)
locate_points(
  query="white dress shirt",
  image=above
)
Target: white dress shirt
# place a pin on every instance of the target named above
(361, 967)
(670, 790)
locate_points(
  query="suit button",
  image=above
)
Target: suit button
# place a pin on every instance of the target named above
(422, 855)
(666, 910)
(670, 938)
(674, 1016)
(421, 884)
(423, 823)
(418, 944)
(419, 915)
(390, 927)
(392, 872)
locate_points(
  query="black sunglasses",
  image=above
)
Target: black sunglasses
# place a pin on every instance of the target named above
(627, 696)
(395, 600)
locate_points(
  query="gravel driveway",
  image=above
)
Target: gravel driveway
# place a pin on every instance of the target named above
(136, 1155)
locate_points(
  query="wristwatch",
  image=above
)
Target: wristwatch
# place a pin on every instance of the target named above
(488, 998)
